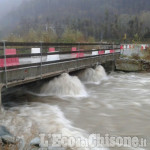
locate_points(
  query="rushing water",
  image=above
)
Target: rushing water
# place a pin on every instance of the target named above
(117, 104)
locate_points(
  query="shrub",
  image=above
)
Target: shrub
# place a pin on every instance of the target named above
(146, 54)
(135, 56)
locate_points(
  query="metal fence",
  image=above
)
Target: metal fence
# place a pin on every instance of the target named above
(130, 49)
(41, 55)
(26, 57)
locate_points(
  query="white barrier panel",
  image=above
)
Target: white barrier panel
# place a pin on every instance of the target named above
(94, 53)
(107, 51)
(124, 46)
(35, 50)
(35, 59)
(52, 57)
(144, 46)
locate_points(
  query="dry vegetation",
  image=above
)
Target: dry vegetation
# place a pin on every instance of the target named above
(135, 56)
(146, 54)
(8, 147)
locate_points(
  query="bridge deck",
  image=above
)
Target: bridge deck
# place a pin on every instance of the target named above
(29, 74)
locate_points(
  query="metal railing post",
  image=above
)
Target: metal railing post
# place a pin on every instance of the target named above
(1, 105)
(78, 53)
(113, 52)
(41, 59)
(5, 63)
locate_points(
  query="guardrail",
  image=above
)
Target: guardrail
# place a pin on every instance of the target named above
(24, 48)
(43, 57)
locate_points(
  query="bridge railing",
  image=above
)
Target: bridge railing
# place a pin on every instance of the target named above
(19, 54)
(16, 56)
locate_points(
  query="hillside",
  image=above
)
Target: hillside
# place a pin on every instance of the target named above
(104, 19)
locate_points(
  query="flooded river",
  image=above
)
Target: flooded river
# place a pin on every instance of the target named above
(90, 102)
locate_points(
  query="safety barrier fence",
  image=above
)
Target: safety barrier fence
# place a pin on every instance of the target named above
(18, 55)
(129, 49)
(15, 56)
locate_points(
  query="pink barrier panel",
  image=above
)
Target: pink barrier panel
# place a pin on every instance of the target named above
(1, 62)
(121, 47)
(74, 49)
(142, 48)
(77, 55)
(81, 54)
(10, 51)
(112, 51)
(52, 49)
(10, 61)
(101, 52)
(129, 46)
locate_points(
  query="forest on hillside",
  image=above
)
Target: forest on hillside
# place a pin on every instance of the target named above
(78, 21)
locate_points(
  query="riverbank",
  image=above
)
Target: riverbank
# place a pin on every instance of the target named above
(132, 65)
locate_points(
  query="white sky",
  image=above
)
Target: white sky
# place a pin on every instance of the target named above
(7, 5)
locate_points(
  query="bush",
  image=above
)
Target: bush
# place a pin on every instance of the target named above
(146, 54)
(135, 56)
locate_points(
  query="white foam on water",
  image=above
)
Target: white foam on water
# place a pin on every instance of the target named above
(64, 86)
(28, 122)
(93, 76)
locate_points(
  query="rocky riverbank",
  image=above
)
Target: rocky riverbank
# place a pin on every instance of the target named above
(10, 142)
(132, 65)
(7, 140)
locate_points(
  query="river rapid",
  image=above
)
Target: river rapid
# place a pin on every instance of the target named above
(90, 102)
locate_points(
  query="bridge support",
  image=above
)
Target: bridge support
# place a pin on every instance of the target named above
(113, 65)
(1, 107)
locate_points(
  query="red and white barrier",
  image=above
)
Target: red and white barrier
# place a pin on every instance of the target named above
(143, 47)
(10, 61)
(101, 52)
(35, 59)
(52, 57)
(80, 54)
(74, 49)
(94, 53)
(121, 47)
(77, 55)
(35, 50)
(52, 49)
(131, 46)
(125, 46)
(112, 51)
(107, 51)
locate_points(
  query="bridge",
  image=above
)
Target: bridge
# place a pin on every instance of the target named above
(22, 63)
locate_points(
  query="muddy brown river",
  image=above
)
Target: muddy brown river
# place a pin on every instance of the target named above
(90, 102)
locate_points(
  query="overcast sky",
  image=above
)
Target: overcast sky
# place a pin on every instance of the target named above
(7, 5)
